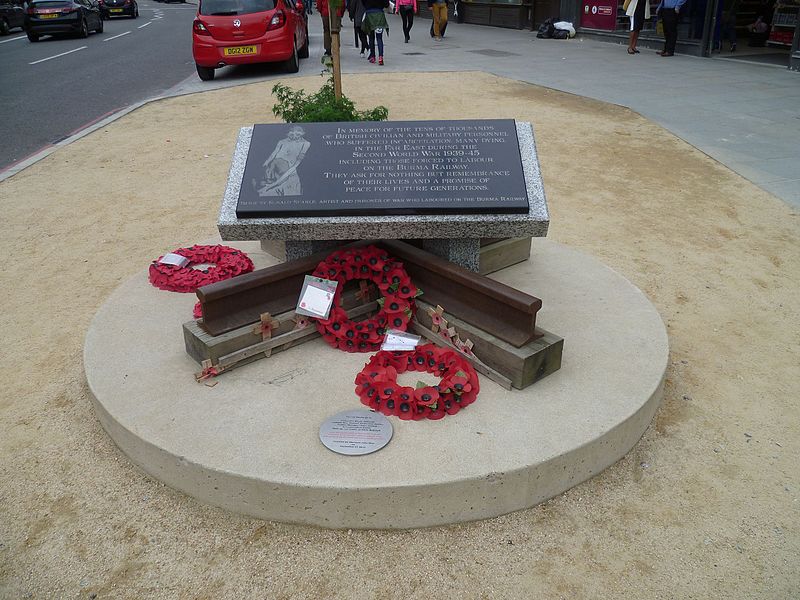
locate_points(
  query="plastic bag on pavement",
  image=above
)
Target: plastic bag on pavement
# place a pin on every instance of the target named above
(546, 29)
(565, 26)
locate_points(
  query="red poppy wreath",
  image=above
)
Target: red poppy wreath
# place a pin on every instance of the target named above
(376, 384)
(373, 264)
(225, 263)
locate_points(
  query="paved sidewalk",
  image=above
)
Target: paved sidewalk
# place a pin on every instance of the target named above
(746, 116)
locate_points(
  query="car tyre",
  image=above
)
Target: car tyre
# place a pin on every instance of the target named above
(205, 73)
(292, 65)
(135, 14)
(303, 53)
(100, 25)
(4, 28)
(84, 31)
(33, 37)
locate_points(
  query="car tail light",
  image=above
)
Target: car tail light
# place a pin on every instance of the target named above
(199, 28)
(277, 21)
(68, 9)
(30, 11)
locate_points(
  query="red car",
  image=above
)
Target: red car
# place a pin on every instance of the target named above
(236, 32)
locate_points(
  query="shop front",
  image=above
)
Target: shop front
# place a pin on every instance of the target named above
(760, 31)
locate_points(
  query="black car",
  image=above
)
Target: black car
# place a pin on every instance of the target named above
(12, 15)
(62, 16)
(119, 8)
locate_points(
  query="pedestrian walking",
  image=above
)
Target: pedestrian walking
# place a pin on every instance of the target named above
(334, 24)
(668, 11)
(407, 10)
(639, 12)
(439, 10)
(355, 10)
(374, 25)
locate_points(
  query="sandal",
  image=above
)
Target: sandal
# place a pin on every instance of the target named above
(631, 51)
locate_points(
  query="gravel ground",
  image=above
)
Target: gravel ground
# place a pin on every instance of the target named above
(705, 506)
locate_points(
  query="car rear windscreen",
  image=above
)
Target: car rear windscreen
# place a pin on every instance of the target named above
(235, 7)
(52, 4)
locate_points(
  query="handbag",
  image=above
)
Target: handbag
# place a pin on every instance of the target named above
(625, 5)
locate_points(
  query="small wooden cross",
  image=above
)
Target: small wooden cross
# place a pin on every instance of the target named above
(209, 370)
(437, 318)
(300, 321)
(465, 347)
(448, 333)
(264, 328)
(365, 291)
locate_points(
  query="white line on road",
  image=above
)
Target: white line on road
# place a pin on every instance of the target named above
(113, 37)
(22, 37)
(36, 62)
(145, 25)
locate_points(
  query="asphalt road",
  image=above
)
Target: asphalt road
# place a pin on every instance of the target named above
(50, 89)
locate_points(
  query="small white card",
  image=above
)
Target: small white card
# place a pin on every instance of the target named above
(174, 259)
(399, 340)
(316, 301)
(316, 297)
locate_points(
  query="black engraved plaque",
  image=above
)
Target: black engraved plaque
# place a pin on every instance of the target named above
(385, 168)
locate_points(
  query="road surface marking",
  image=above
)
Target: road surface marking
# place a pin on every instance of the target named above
(113, 37)
(36, 62)
(145, 25)
(22, 37)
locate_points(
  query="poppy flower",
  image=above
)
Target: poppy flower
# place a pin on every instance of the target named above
(398, 320)
(393, 304)
(407, 403)
(375, 262)
(460, 384)
(450, 406)
(406, 289)
(397, 275)
(426, 396)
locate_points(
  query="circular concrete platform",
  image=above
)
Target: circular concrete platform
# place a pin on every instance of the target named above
(251, 444)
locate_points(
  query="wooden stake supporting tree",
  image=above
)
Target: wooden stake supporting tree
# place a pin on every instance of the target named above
(333, 8)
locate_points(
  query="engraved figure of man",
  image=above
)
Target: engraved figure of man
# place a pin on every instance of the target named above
(280, 178)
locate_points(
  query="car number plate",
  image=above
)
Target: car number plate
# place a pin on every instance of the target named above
(115, 10)
(239, 50)
(48, 16)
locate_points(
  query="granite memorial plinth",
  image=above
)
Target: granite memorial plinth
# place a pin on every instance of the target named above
(302, 188)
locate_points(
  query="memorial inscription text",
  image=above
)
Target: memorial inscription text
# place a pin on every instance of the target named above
(418, 167)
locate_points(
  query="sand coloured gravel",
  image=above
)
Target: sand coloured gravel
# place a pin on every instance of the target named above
(705, 506)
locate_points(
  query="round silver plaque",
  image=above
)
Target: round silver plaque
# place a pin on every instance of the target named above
(355, 432)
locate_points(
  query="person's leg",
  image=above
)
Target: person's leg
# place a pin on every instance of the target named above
(326, 34)
(362, 35)
(371, 46)
(732, 31)
(379, 39)
(405, 15)
(668, 21)
(410, 19)
(439, 19)
(673, 31)
(631, 36)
